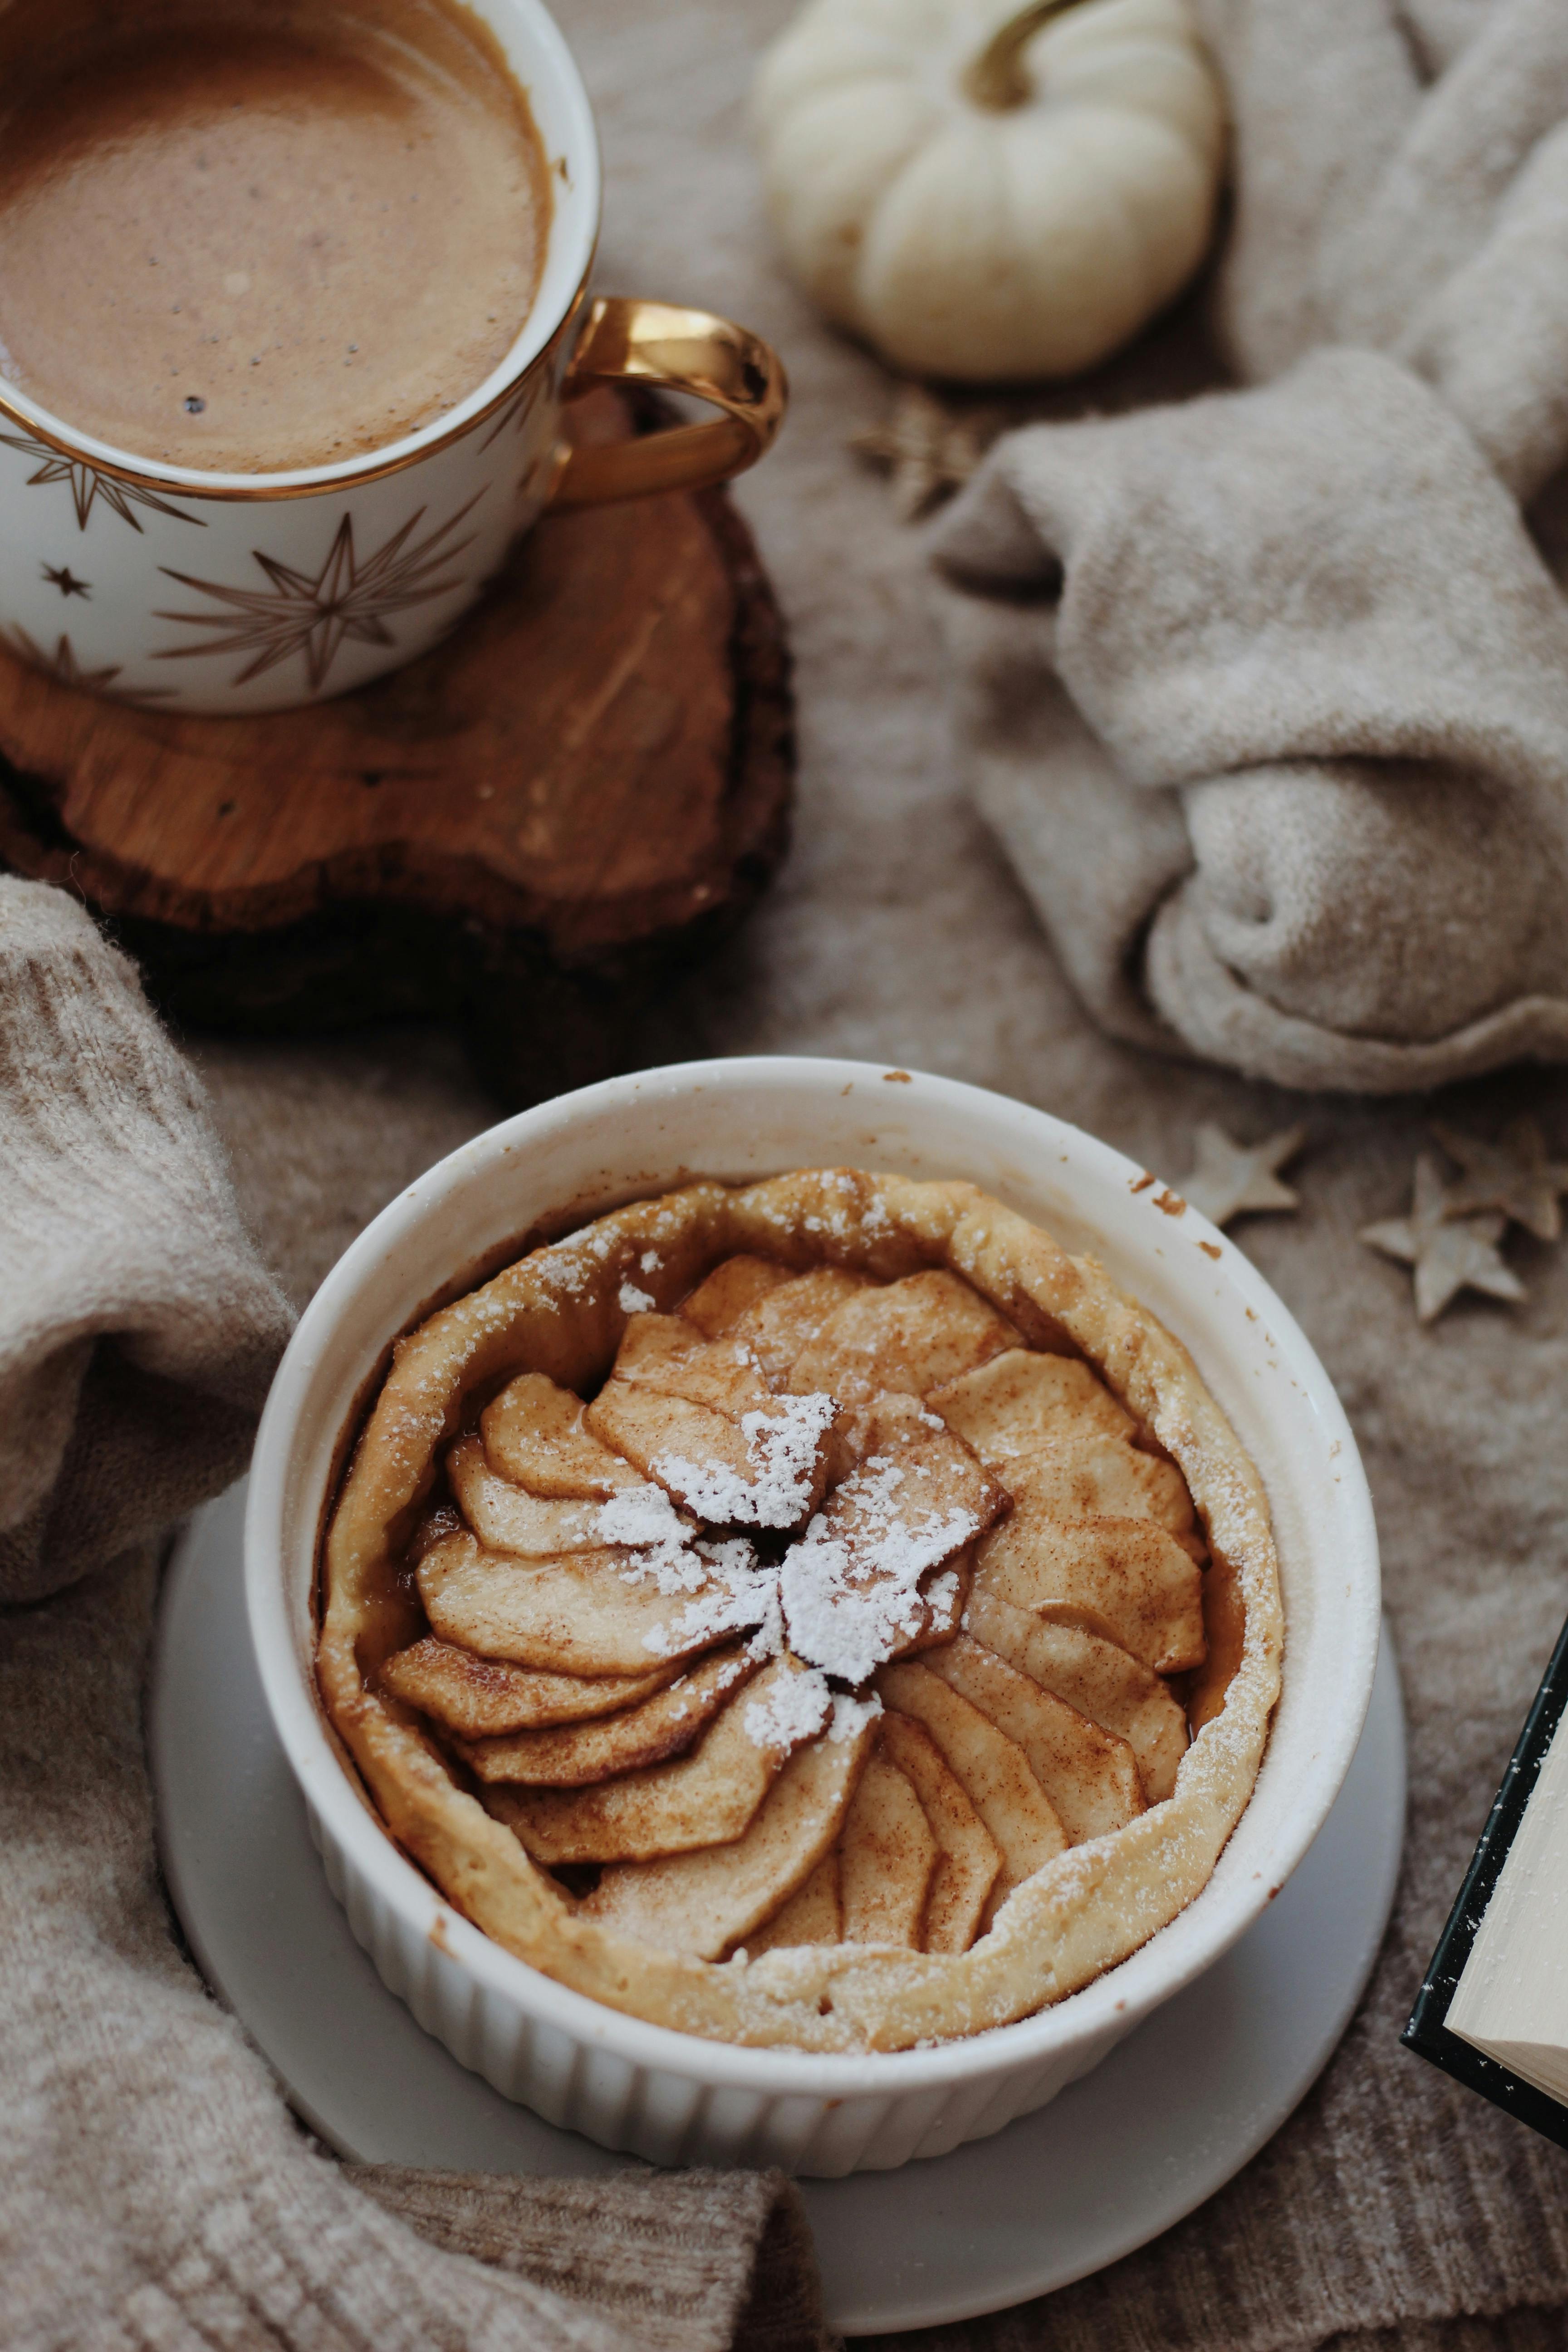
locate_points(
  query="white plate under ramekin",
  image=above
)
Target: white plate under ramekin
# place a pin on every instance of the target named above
(672, 2097)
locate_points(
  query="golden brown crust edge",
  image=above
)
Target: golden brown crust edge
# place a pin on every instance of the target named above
(558, 1311)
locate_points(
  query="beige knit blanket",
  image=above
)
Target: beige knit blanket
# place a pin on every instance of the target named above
(154, 2190)
(1265, 694)
(1394, 2212)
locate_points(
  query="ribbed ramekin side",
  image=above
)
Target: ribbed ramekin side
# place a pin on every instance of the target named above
(377, 1928)
(786, 2131)
(523, 2057)
(652, 2112)
(665, 2117)
(396, 1952)
(1000, 2099)
(972, 2110)
(990, 2104)
(609, 2104)
(445, 1999)
(849, 2135)
(908, 2118)
(733, 2121)
(549, 2065)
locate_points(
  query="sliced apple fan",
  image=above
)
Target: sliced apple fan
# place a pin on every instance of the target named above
(834, 1616)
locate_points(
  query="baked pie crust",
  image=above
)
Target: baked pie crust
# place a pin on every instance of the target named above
(808, 1643)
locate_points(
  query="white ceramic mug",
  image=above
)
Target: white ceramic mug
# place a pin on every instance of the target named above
(231, 592)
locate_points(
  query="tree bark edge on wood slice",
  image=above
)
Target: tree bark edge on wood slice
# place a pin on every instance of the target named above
(531, 829)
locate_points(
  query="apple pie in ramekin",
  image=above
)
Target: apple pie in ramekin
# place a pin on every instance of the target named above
(1006, 1820)
(822, 1612)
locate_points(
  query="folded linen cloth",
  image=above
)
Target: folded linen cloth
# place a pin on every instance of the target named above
(1266, 695)
(155, 2191)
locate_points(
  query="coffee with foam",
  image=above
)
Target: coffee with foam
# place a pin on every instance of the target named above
(254, 237)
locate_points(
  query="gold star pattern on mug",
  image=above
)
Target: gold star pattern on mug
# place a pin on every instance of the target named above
(87, 485)
(1513, 1174)
(63, 667)
(345, 600)
(1449, 1254)
(1233, 1179)
(515, 411)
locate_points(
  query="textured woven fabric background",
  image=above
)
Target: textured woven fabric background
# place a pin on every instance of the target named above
(1394, 2213)
(1394, 2206)
(156, 2192)
(1276, 744)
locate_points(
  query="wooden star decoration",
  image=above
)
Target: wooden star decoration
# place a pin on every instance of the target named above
(1449, 1254)
(927, 453)
(1232, 1179)
(1513, 1174)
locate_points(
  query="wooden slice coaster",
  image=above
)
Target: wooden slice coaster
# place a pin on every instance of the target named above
(531, 829)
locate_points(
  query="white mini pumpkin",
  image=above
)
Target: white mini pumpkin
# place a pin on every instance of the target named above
(986, 196)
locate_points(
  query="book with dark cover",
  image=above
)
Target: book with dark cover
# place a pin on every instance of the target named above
(1428, 2032)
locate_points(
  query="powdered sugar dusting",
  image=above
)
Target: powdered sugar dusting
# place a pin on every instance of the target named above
(782, 1445)
(847, 1595)
(633, 1301)
(768, 1640)
(942, 1591)
(737, 1592)
(656, 1538)
(794, 1710)
(850, 1586)
(851, 1714)
(683, 1694)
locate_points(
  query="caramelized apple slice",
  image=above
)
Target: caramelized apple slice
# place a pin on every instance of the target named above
(694, 1414)
(481, 1697)
(1107, 1478)
(717, 1304)
(779, 1327)
(668, 1353)
(575, 1755)
(638, 1517)
(992, 1769)
(1126, 1579)
(1103, 1681)
(814, 1914)
(1090, 1777)
(507, 1517)
(946, 1597)
(910, 1335)
(536, 1434)
(705, 1902)
(851, 1588)
(886, 1857)
(1020, 1406)
(695, 1454)
(589, 1613)
(705, 1798)
(1053, 1433)
(967, 1857)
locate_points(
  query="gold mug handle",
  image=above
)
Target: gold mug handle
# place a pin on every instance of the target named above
(685, 351)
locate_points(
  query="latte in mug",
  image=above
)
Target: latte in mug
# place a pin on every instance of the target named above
(257, 235)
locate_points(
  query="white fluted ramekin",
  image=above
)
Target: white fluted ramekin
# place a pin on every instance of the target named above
(671, 2097)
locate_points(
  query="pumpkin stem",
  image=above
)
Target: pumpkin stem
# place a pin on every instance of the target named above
(995, 78)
